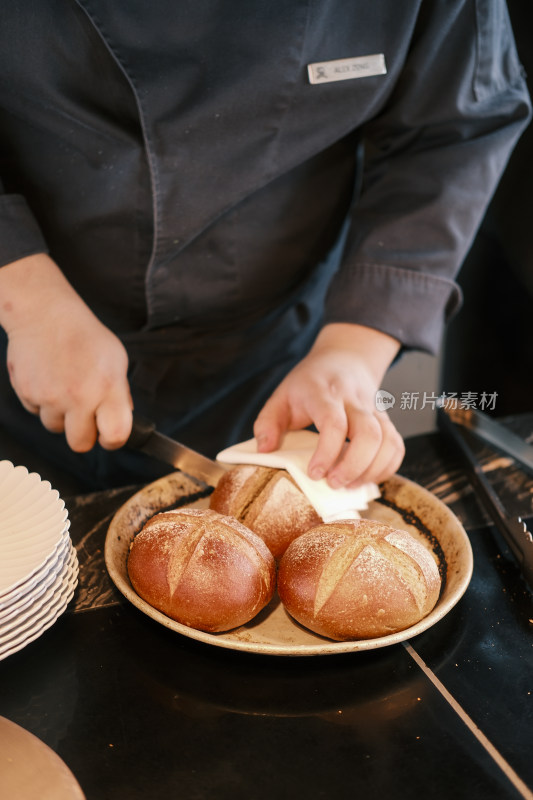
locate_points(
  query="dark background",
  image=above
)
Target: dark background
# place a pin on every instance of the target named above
(489, 344)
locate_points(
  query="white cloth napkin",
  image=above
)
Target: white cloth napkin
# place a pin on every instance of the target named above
(294, 456)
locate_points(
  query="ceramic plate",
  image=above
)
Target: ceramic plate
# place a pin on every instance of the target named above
(31, 769)
(403, 504)
(27, 600)
(45, 613)
(38, 599)
(33, 522)
(22, 590)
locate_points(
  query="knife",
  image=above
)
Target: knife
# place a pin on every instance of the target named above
(487, 429)
(513, 529)
(145, 438)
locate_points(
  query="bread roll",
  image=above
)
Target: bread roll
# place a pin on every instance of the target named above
(268, 502)
(202, 569)
(357, 579)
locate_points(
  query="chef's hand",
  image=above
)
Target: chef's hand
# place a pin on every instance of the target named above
(64, 364)
(334, 387)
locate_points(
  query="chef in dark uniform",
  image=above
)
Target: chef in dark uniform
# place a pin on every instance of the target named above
(235, 216)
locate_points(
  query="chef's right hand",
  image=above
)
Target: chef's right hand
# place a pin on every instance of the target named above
(64, 364)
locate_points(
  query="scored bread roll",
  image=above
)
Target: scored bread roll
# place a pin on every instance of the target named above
(268, 502)
(202, 569)
(358, 579)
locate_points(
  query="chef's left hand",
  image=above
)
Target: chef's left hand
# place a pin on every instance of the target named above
(334, 388)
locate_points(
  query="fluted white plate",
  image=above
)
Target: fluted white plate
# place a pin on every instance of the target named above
(33, 527)
(44, 612)
(36, 597)
(22, 590)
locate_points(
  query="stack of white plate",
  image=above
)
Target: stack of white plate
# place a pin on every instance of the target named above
(38, 563)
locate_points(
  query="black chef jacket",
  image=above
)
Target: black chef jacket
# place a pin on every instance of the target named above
(214, 206)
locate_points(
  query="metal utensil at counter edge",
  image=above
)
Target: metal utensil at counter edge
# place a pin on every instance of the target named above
(492, 432)
(512, 528)
(145, 438)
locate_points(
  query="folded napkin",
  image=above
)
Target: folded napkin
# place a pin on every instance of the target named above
(294, 456)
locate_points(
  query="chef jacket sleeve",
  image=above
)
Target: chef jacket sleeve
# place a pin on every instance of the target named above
(433, 159)
(20, 234)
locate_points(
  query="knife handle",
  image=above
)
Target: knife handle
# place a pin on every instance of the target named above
(141, 430)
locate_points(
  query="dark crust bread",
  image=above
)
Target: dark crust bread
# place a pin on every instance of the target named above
(268, 502)
(358, 579)
(202, 569)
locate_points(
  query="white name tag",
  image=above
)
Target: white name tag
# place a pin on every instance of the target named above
(344, 69)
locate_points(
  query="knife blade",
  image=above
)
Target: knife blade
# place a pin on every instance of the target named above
(487, 429)
(145, 438)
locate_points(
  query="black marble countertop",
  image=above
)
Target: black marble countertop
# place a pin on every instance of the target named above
(138, 711)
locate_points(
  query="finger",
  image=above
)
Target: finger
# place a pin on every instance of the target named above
(396, 448)
(114, 420)
(332, 425)
(25, 401)
(31, 407)
(52, 419)
(388, 459)
(271, 423)
(366, 437)
(80, 430)
(390, 469)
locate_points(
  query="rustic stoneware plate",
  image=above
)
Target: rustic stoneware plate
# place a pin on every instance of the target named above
(402, 504)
